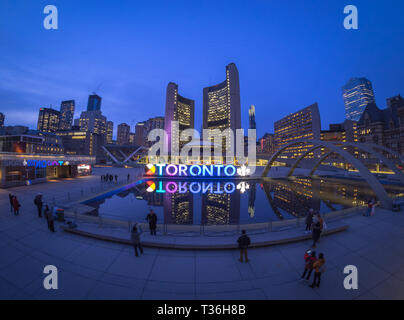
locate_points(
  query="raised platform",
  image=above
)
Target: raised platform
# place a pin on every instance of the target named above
(201, 242)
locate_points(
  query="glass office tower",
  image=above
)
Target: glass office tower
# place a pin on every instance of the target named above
(357, 93)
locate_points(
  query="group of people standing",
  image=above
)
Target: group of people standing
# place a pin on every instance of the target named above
(14, 204)
(46, 211)
(313, 263)
(15, 208)
(136, 232)
(370, 211)
(109, 178)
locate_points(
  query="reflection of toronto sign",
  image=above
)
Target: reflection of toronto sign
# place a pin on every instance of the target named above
(44, 163)
(214, 170)
(193, 187)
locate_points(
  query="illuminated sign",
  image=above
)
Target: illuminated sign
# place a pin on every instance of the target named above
(182, 170)
(193, 187)
(44, 163)
(83, 167)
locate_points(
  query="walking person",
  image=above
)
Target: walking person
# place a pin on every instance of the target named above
(135, 235)
(243, 243)
(128, 177)
(316, 232)
(116, 178)
(10, 197)
(319, 268)
(49, 218)
(309, 220)
(38, 202)
(309, 260)
(322, 225)
(152, 219)
(16, 206)
(369, 208)
(372, 210)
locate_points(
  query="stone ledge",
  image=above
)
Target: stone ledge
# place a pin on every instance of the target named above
(208, 243)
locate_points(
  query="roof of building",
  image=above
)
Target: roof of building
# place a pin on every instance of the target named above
(387, 116)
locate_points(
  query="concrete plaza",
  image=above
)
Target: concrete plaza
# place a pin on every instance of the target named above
(93, 269)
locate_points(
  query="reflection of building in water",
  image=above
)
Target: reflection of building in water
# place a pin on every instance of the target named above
(347, 194)
(153, 199)
(296, 198)
(178, 208)
(221, 208)
(251, 199)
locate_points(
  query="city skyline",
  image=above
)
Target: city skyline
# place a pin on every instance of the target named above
(280, 71)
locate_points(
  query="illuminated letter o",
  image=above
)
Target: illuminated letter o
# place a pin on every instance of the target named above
(175, 170)
(191, 171)
(231, 167)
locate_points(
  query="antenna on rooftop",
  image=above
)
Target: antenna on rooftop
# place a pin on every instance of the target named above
(98, 88)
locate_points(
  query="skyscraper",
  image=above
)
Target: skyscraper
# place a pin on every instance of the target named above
(2, 120)
(140, 134)
(94, 103)
(221, 103)
(110, 131)
(251, 117)
(303, 124)
(123, 134)
(66, 114)
(95, 122)
(48, 120)
(357, 93)
(178, 108)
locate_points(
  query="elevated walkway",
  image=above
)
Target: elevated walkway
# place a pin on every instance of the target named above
(201, 242)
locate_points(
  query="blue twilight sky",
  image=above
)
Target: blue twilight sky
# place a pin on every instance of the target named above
(289, 54)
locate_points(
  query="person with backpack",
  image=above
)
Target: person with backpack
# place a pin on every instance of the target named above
(243, 243)
(38, 202)
(309, 220)
(135, 235)
(319, 268)
(309, 260)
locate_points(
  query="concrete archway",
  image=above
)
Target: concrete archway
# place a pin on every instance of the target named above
(365, 173)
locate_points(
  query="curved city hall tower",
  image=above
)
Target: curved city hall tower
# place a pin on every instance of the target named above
(178, 108)
(221, 103)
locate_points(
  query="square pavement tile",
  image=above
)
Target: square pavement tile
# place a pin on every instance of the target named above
(291, 291)
(94, 257)
(223, 286)
(23, 272)
(389, 260)
(70, 286)
(390, 289)
(170, 287)
(9, 255)
(332, 287)
(210, 269)
(127, 265)
(369, 274)
(176, 269)
(7, 290)
(269, 263)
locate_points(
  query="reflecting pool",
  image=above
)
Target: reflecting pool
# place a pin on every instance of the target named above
(221, 202)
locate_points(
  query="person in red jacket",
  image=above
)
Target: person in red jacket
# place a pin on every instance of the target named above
(309, 260)
(16, 206)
